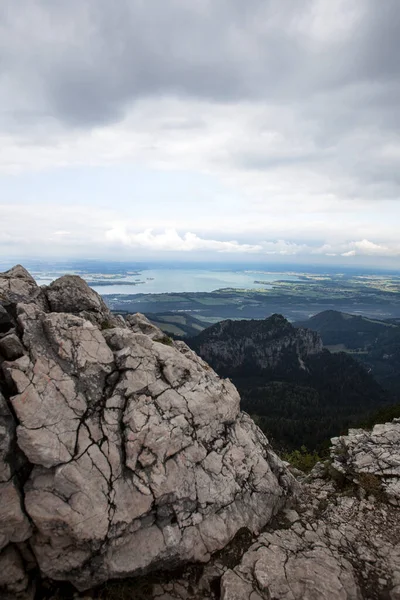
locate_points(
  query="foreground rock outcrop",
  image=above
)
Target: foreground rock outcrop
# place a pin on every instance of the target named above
(120, 451)
(341, 541)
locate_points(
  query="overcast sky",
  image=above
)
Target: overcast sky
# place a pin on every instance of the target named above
(215, 129)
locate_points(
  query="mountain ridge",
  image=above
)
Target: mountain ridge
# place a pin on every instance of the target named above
(254, 344)
(300, 392)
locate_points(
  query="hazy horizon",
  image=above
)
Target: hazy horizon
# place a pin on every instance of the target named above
(111, 265)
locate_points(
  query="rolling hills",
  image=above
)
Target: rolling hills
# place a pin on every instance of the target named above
(374, 343)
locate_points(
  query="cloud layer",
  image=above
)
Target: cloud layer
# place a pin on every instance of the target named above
(170, 240)
(259, 122)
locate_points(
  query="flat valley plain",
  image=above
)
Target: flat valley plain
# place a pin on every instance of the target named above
(376, 296)
(183, 299)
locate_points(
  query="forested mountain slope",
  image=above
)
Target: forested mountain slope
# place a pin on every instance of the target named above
(374, 343)
(300, 392)
(354, 331)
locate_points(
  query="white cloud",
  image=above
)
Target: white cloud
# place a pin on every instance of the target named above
(170, 240)
(254, 171)
(362, 247)
(78, 230)
(367, 248)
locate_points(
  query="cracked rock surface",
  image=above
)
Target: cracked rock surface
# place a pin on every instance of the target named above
(375, 453)
(343, 541)
(121, 452)
(340, 540)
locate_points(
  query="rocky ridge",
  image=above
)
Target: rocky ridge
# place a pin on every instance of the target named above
(343, 539)
(340, 541)
(255, 345)
(121, 452)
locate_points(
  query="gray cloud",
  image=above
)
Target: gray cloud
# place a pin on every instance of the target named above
(83, 62)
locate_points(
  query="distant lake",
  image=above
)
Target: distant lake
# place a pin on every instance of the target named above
(158, 281)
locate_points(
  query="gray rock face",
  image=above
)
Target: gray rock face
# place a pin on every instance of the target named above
(7, 434)
(343, 543)
(14, 524)
(71, 294)
(10, 347)
(139, 324)
(6, 322)
(17, 285)
(14, 581)
(141, 458)
(375, 453)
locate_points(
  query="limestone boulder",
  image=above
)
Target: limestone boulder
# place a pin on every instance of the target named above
(17, 285)
(139, 324)
(139, 457)
(71, 294)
